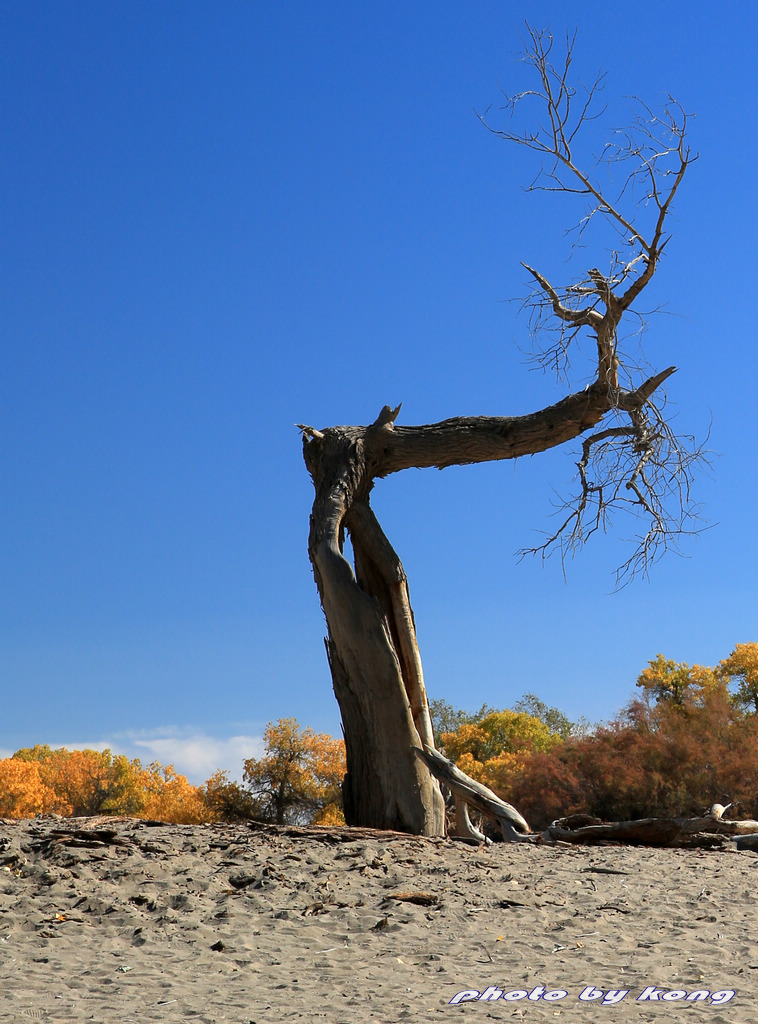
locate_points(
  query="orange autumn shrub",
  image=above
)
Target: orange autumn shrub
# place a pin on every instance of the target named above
(661, 760)
(330, 815)
(690, 741)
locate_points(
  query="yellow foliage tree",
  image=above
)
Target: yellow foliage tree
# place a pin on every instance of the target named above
(299, 776)
(741, 667)
(227, 800)
(168, 796)
(88, 782)
(677, 683)
(83, 783)
(23, 794)
(498, 745)
(665, 680)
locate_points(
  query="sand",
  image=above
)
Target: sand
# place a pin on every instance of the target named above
(122, 921)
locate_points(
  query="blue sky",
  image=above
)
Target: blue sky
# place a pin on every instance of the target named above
(220, 220)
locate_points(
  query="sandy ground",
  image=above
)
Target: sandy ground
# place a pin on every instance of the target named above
(123, 921)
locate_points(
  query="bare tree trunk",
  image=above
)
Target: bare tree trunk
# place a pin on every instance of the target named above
(372, 647)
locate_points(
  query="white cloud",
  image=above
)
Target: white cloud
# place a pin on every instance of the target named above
(194, 754)
(199, 756)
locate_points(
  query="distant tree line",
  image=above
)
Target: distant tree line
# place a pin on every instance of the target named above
(688, 740)
(76, 783)
(297, 779)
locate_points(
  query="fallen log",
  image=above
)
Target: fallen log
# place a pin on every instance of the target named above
(709, 830)
(749, 842)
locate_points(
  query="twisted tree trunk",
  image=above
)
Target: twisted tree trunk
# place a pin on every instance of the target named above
(372, 646)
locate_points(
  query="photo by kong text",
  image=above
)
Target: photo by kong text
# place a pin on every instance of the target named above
(592, 994)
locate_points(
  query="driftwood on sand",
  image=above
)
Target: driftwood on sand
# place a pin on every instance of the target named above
(710, 830)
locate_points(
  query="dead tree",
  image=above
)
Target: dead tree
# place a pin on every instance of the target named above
(630, 460)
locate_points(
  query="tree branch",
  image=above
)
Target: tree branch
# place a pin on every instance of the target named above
(588, 317)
